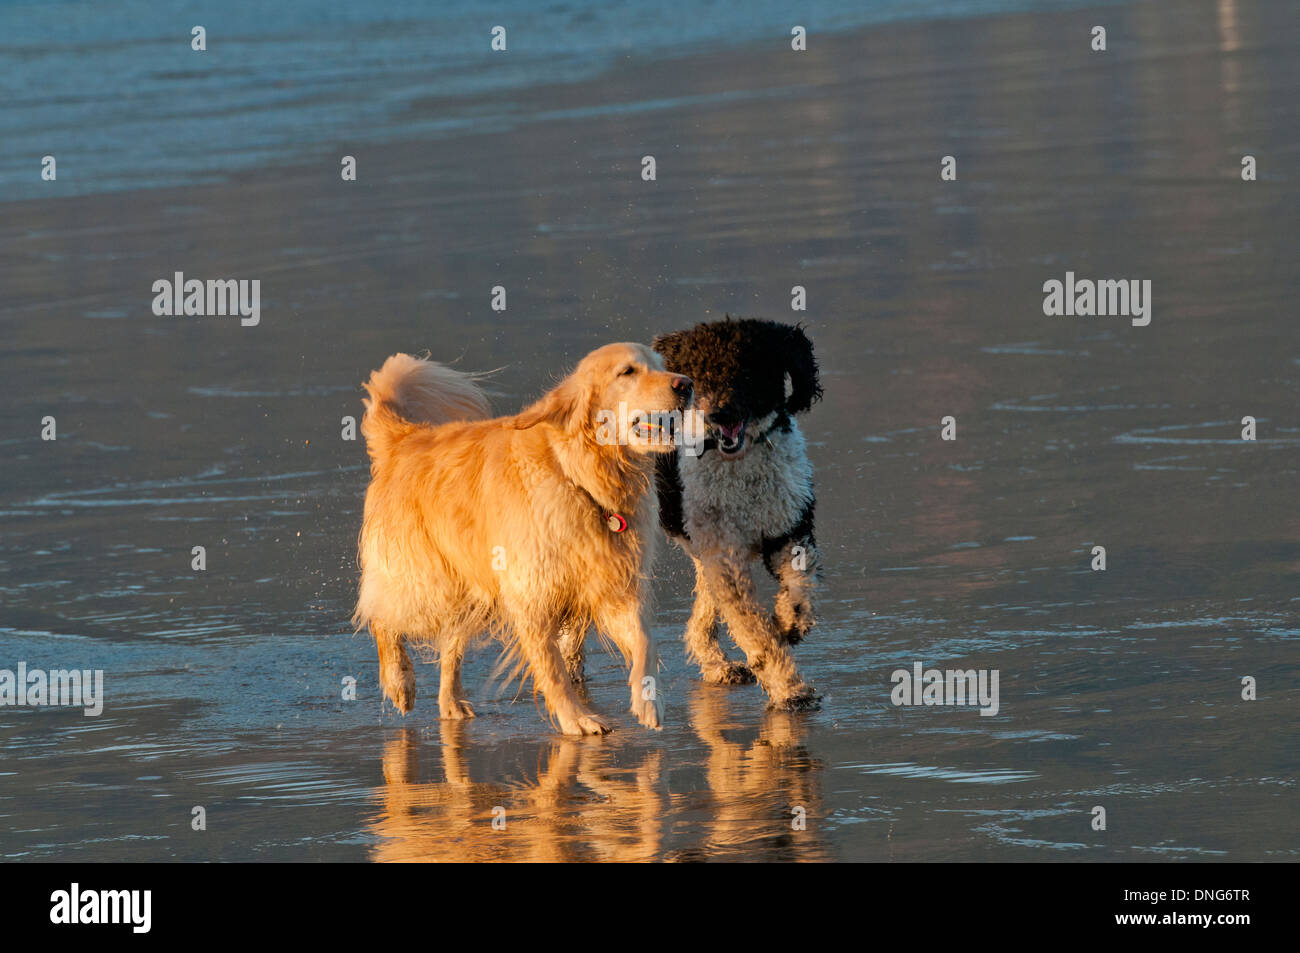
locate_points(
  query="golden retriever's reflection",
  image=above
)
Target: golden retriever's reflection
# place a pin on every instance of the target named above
(590, 800)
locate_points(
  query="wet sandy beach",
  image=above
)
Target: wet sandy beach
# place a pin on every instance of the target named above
(1119, 688)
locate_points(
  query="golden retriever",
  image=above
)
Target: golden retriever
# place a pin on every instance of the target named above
(514, 525)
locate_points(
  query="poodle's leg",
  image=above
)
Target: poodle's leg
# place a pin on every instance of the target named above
(797, 568)
(451, 696)
(702, 639)
(536, 637)
(573, 646)
(625, 623)
(396, 673)
(751, 627)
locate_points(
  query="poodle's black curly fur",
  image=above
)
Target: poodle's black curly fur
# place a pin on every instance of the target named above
(746, 497)
(739, 367)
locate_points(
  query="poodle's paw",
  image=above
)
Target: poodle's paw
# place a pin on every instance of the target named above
(793, 621)
(728, 673)
(800, 698)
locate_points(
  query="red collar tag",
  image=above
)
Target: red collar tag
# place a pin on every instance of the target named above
(615, 522)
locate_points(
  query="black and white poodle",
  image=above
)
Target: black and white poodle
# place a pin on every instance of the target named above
(746, 494)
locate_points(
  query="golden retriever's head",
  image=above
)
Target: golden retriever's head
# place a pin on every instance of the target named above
(619, 395)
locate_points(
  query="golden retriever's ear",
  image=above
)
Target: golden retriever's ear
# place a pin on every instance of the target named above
(565, 407)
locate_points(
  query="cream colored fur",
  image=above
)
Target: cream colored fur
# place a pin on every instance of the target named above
(727, 506)
(499, 525)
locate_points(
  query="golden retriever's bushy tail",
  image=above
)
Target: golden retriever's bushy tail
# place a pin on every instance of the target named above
(409, 390)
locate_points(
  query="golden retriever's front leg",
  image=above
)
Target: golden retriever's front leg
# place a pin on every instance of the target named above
(625, 625)
(396, 673)
(540, 647)
(452, 703)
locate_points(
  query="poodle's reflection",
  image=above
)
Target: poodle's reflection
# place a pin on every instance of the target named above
(763, 797)
(588, 799)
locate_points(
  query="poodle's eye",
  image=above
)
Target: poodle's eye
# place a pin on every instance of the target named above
(630, 369)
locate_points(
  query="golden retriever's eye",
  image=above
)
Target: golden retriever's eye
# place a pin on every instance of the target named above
(630, 369)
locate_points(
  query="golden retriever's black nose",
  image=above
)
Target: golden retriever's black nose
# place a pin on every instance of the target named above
(683, 386)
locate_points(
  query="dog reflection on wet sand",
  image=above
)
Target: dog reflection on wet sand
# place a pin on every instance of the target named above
(578, 808)
(591, 801)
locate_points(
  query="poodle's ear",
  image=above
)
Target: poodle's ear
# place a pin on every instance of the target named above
(670, 347)
(564, 407)
(802, 368)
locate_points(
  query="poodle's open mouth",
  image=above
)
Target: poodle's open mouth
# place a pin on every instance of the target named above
(731, 440)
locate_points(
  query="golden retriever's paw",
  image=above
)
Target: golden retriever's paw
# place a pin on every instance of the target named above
(585, 725)
(399, 688)
(455, 709)
(731, 673)
(649, 712)
(801, 698)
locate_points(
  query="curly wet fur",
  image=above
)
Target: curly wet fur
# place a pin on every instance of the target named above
(475, 524)
(728, 512)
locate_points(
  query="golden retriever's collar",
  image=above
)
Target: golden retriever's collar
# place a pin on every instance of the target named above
(615, 521)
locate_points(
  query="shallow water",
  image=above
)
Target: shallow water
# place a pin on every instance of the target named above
(117, 93)
(1118, 688)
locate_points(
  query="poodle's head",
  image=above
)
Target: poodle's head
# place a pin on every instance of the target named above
(740, 370)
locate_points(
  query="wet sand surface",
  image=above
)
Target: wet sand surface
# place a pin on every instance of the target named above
(1119, 688)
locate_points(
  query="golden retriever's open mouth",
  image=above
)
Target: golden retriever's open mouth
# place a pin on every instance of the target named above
(656, 429)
